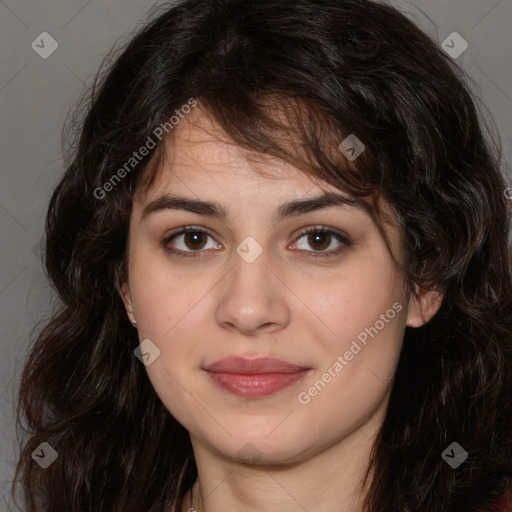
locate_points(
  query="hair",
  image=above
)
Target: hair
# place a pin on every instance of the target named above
(291, 79)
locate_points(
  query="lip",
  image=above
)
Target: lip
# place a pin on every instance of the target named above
(251, 377)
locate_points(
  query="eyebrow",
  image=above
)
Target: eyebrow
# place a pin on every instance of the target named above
(217, 211)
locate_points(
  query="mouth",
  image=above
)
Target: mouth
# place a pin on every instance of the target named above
(254, 377)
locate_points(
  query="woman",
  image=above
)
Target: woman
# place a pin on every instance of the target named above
(281, 254)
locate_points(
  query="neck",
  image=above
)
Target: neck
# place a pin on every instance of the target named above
(332, 479)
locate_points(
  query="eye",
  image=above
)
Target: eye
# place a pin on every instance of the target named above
(321, 238)
(193, 241)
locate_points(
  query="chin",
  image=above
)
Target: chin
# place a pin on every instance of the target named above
(247, 446)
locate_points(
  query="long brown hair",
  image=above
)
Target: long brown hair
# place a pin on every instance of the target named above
(335, 67)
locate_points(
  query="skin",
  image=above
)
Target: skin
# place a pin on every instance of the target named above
(286, 304)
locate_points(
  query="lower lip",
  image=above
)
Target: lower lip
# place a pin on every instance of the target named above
(254, 385)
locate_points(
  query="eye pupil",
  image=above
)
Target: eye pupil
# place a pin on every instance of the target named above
(196, 237)
(319, 238)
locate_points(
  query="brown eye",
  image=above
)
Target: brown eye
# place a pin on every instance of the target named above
(195, 240)
(319, 239)
(189, 242)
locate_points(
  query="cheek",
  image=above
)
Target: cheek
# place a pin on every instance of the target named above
(355, 375)
(173, 321)
(361, 297)
(168, 309)
(161, 294)
(365, 312)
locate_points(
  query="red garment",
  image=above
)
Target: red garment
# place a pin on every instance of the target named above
(506, 503)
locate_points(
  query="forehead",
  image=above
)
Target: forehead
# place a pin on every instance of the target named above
(199, 159)
(199, 156)
(200, 143)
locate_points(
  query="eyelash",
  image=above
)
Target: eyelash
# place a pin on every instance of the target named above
(314, 254)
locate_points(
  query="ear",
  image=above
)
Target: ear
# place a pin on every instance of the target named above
(127, 301)
(423, 305)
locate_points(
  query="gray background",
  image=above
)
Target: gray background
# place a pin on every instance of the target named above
(36, 94)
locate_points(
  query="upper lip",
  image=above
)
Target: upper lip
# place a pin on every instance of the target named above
(243, 365)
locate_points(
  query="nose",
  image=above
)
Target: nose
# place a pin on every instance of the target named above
(252, 298)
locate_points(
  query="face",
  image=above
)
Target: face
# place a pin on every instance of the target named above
(279, 323)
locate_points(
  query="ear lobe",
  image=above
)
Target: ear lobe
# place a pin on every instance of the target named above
(127, 301)
(423, 305)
